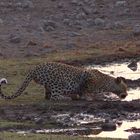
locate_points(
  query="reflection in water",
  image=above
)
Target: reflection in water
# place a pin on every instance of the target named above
(122, 70)
(119, 132)
(119, 70)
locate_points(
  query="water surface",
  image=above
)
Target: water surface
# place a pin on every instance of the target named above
(121, 69)
(116, 70)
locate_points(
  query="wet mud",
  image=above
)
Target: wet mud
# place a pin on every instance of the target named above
(64, 115)
(80, 117)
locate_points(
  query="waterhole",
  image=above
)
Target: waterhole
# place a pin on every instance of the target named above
(122, 69)
(120, 132)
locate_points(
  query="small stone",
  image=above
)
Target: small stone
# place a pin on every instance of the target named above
(118, 25)
(2, 4)
(74, 2)
(32, 43)
(136, 30)
(133, 65)
(134, 137)
(120, 3)
(60, 5)
(112, 72)
(119, 123)
(15, 39)
(87, 10)
(49, 25)
(81, 15)
(95, 11)
(1, 54)
(1, 21)
(121, 49)
(86, 1)
(99, 22)
(74, 34)
(28, 4)
(70, 46)
(18, 4)
(66, 21)
(108, 126)
(26, 93)
(46, 46)
(80, 3)
(39, 121)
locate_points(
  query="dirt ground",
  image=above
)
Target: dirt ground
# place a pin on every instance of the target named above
(31, 28)
(86, 31)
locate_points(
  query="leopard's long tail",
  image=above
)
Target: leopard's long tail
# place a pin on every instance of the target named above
(20, 89)
(3, 81)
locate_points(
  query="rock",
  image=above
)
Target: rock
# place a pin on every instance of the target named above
(15, 39)
(86, 1)
(134, 137)
(49, 25)
(108, 126)
(75, 2)
(90, 22)
(66, 21)
(74, 34)
(32, 43)
(81, 15)
(120, 3)
(18, 5)
(47, 46)
(87, 10)
(24, 4)
(2, 4)
(136, 30)
(118, 25)
(28, 4)
(1, 21)
(39, 121)
(121, 49)
(60, 5)
(95, 11)
(80, 3)
(99, 22)
(112, 72)
(70, 46)
(133, 65)
(1, 54)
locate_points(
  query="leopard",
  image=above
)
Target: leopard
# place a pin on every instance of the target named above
(64, 81)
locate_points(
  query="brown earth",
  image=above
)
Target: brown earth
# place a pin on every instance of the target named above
(101, 30)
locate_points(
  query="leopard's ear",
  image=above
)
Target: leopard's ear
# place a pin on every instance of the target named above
(123, 79)
(118, 80)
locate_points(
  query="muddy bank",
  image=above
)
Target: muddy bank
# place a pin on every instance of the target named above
(104, 59)
(133, 83)
(41, 116)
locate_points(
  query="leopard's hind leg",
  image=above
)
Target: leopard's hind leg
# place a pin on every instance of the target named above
(47, 93)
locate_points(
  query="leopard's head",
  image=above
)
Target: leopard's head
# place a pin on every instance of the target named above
(119, 87)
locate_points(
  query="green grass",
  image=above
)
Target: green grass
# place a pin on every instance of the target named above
(6, 124)
(14, 136)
